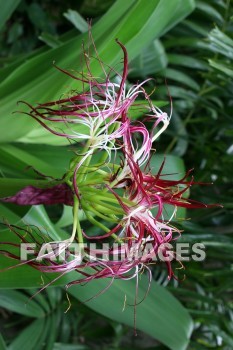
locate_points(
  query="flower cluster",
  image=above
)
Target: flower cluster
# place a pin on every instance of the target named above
(109, 179)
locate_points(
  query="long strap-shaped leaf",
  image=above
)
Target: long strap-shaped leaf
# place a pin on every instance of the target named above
(7, 8)
(134, 22)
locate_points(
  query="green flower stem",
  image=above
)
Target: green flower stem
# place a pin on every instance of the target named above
(103, 227)
(82, 172)
(95, 222)
(108, 210)
(108, 197)
(76, 160)
(92, 209)
(92, 182)
(76, 223)
(98, 197)
(95, 169)
(94, 177)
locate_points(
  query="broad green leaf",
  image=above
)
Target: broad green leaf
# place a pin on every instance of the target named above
(2, 343)
(63, 346)
(209, 10)
(19, 302)
(167, 316)
(180, 93)
(15, 160)
(183, 9)
(57, 158)
(8, 215)
(180, 133)
(41, 301)
(30, 337)
(54, 296)
(221, 43)
(173, 167)
(152, 60)
(184, 79)
(16, 62)
(77, 20)
(66, 218)
(159, 315)
(36, 80)
(9, 186)
(193, 294)
(187, 61)
(39, 18)
(50, 40)
(196, 28)
(7, 8)
(190, 42)
(173, 170)
(222, 67)
(15, 277)
(52, 330)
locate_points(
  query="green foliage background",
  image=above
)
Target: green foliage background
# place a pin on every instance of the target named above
(190, 43)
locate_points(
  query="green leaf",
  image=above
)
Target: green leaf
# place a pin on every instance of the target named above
(183, 9)
(39, 17)
(152, 60)
(7, 8)
(180, 93)
(63, 346)
(196, 28)
(36, 80)
(180, 132)
(57, 158)
(30, 337)
(184, 41)
(209, 10)
(173, 170)
(15, 160)
(187, 61)
(54, 296)
(2, 343)
(41, 300)
(8, 186)
(18, 302)
(77, 20)
(182, 78)
(52, 330)
(50, 40)
(159, 315)
(173, 167)
(221, 43)
(222, 67)
(66, 218)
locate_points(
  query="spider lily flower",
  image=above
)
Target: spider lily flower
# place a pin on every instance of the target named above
(98, 114)
(150, 190)
(126, 196)
(101, 110)
(84, 264)
(87, 269)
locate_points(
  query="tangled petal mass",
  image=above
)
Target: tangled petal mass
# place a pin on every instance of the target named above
(109, 181)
